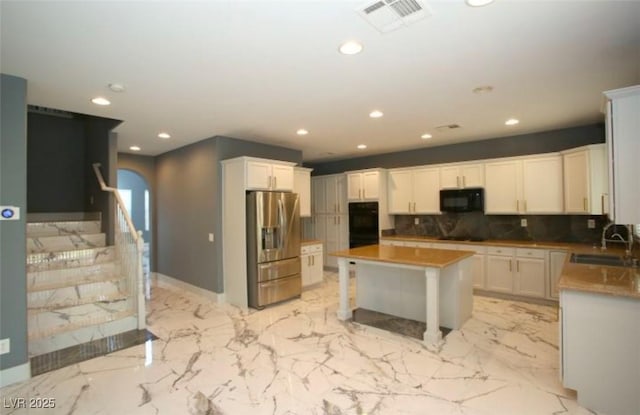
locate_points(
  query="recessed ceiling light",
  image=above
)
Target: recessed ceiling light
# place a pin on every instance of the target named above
(485, 89)
(164, 135)
(101, 101)
(376, 114)
(511, 121)
(426, 136)
(116, 87)
(350, 48)
(362, 146)
(478, 3)
(135, 148)
(302, 131)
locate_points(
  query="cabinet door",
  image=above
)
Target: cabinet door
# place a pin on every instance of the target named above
(306, 270)
(317, 272)
(282, 177)
(499, 273)
(426, 190)
(318, 195)
(502, 185)
(320, 227)
(542, 185)
(472, 175)
(576, 182)
(530, 277)
(477, 271)
(371, 185)
(556, 263)
(258, 175)
(331, 194)
(450, 177)
(400, 191)
(341, 193)
(354, 186)
(302, 186)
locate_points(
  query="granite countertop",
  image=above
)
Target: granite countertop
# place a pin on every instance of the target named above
(599, 279)
(423, 257)
(306, 242)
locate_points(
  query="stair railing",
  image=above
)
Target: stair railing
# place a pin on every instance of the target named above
(130, 247)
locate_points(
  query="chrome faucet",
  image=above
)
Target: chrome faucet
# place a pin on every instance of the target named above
(617, 238)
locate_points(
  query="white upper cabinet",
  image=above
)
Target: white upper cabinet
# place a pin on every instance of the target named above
(268, 175)
(414, 191)
(503, 186)
(302, 186)
(542, 185)
(329, 194)
(458, 176)
(528, 185)
(623, 147)
(585, 180)
(364, 185)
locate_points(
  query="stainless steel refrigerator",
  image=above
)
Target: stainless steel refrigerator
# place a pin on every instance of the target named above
(273, 247)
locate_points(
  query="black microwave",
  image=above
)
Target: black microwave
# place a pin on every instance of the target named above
(462, 200)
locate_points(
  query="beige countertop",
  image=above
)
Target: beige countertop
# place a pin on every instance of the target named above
(305, 242)
(617, 281)
(423, 257)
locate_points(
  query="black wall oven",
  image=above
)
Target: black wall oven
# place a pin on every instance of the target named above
(363, 224)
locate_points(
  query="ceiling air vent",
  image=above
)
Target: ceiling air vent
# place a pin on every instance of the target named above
(388, 15)
(448, 127)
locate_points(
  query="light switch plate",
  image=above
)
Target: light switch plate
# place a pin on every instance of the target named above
(591, 223)
(416, 221)
(210, 237)
(5, 346)
(523, 223)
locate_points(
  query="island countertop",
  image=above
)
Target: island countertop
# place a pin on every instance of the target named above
(422, 257)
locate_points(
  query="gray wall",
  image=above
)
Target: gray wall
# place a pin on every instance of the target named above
(146, 167)
(13, 191)
(55, 173)
(189, 189)
(543, 142)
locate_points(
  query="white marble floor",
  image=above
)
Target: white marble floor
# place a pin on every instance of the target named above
(297, 358)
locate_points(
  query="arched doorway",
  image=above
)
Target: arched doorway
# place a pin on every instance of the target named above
(136, 195)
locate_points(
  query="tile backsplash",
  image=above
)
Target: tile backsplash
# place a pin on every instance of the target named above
(560, 228)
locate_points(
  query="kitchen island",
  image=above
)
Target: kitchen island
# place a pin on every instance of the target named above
(428, 285)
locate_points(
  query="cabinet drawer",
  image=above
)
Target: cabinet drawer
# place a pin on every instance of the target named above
(530, 253)
(310, 249)
(478, 249)
(440, 245)
(501, 250)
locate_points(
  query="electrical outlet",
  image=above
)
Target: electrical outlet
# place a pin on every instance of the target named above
(5, 346)
(523, 223)
(210, 237)
(591, 223)
(416, 221)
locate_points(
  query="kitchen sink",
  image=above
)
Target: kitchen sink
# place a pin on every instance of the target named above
(596, 259)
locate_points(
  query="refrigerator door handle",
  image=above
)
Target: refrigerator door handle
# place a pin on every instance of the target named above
(282, 224)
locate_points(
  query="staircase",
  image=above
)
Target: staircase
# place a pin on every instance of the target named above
(77, 287)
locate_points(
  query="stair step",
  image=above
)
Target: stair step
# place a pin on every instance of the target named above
(79, 335)
(68, 277)
(58, 298)
(37, 229)
(70, 259)
(53, 322)
(65, 243)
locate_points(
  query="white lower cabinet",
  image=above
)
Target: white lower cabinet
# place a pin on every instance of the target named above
(312, 264)
(477, 265)
(530, 277)
(500, 273)
(556, 262)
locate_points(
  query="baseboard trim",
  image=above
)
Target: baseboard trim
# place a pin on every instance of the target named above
(15, 374)
(171, 282)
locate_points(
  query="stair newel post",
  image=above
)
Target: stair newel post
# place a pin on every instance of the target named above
(141, 313)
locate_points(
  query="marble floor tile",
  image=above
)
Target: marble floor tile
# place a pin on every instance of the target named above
(298, 358)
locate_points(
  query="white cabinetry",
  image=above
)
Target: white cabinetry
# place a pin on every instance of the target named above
(585, 180)
(500, 269)
(311, 263)
(458, 176)
(414, 191)
(477, 265)
(556, 262)
(623, 147)
(531, 185)
(268, 174)
(302, 186)
(518, 271)
(329, 194)
(364, 185)
(330, 220)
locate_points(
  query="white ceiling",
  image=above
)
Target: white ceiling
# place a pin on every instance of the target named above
(260, 70)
